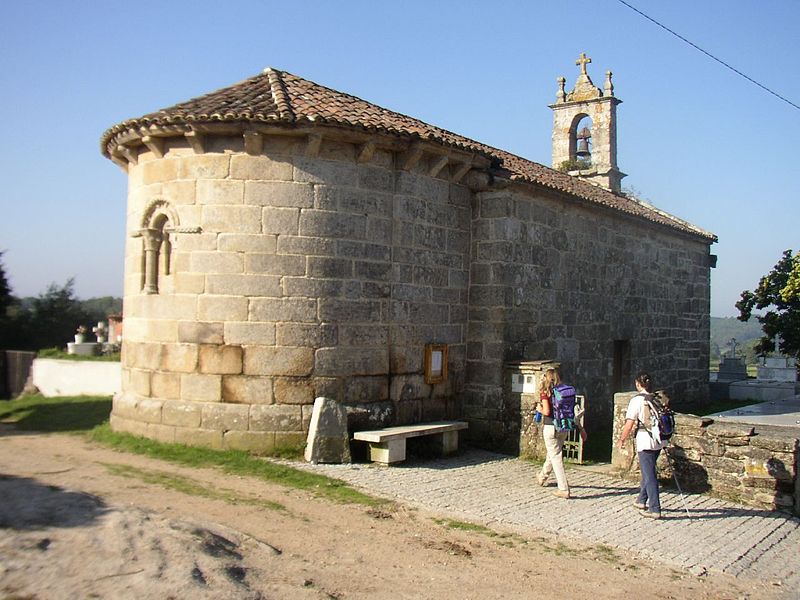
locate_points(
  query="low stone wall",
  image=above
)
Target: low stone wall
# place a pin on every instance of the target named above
(54, 377)
(756, 465)
(531, 443)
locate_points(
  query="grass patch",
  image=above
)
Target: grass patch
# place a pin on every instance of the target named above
(464, 526)
(503, 539)
(289, 452)
(188, 486)
(64, 414)
(59, 354)
(89, 415)
(234, 462)
(606, 554)
(561, 549)
(598, 552)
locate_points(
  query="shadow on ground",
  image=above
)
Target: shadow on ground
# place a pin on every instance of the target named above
(54, 416)
(29, 505)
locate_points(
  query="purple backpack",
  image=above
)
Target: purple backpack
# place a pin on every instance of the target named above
(564, 407)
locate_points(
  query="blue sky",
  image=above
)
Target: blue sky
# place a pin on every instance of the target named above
(696, 139)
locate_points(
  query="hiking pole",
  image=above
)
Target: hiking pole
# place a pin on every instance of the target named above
(675, 478)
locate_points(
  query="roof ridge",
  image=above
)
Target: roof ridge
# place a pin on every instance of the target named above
(279, 93)
(384, 109)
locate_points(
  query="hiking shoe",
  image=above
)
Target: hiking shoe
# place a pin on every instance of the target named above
(561, 494)
(542, 479)
(651, 515)
(640, 505)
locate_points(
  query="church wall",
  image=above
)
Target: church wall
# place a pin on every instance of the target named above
(560, 280)
(288, 276)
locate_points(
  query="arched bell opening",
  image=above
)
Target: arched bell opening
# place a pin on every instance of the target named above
(580, 140)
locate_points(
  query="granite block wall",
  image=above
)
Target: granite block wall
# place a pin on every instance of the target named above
(553, 279)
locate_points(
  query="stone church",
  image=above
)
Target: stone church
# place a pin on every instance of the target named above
(287, 241)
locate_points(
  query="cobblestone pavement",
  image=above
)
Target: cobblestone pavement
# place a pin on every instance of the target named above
(697, 532)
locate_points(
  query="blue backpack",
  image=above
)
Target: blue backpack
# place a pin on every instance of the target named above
(662, 419)
(564, 407)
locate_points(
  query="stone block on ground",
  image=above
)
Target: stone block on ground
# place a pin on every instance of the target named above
(328, 440)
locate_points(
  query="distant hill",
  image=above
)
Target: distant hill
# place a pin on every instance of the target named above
(745, 334)
(725, 328)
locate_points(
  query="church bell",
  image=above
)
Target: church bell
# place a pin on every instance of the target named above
(583, 143)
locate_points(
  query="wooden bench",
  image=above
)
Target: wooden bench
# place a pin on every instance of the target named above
(388, 445)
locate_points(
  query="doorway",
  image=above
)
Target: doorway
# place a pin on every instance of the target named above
(621, 378)
(599, 446)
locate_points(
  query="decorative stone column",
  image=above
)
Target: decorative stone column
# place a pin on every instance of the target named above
(152, 244)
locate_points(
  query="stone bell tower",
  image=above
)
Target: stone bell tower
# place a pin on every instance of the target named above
(585, 130)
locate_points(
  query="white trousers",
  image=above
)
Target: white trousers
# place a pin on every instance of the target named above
(554, 463)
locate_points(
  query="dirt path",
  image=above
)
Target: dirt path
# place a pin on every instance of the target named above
(80, 521)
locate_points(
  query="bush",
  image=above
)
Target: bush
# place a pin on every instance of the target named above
(575, 164)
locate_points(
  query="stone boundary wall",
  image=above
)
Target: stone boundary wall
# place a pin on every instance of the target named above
(756, 465)
(57, 377)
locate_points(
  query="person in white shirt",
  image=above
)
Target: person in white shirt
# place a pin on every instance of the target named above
(647, 448)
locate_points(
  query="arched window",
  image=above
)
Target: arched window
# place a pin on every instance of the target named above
(158, 222)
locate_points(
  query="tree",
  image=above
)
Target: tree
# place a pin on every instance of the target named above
(8, 325)
(50, 319)
(6, 299)
(779, 292)
(54, 317)
(99, 308)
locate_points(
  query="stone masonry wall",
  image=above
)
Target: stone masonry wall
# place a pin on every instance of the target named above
(553, 279)
(756, 465)
(287, 277)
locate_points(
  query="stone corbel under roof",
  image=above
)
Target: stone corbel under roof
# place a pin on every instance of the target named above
(453, 162)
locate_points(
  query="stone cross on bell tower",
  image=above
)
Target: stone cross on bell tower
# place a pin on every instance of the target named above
(585, 130)
(583, 60)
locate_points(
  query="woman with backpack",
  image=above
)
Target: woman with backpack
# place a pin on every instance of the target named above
(553, 439)
(647, 447)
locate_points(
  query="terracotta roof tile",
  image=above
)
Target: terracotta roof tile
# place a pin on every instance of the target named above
(280, 97)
